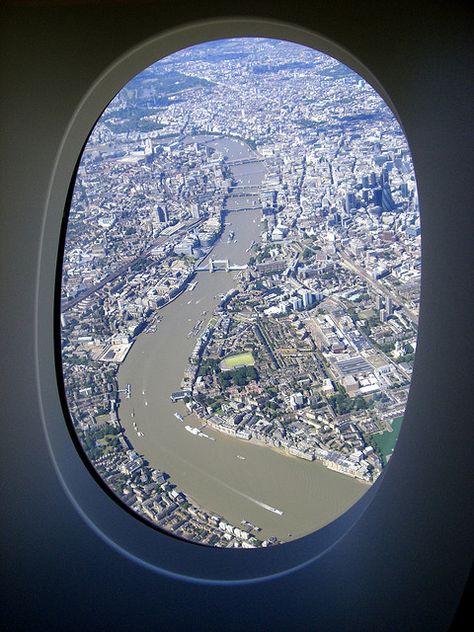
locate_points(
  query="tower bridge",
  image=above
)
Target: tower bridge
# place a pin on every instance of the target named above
(220, 264)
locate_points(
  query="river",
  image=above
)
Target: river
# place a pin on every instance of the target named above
(210, 472)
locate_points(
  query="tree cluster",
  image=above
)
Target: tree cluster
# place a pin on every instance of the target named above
(342, 404)
(238, 377)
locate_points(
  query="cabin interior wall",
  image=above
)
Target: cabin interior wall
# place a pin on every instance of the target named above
(57, 572)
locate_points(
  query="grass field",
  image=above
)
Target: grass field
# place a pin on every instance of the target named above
(241, 359)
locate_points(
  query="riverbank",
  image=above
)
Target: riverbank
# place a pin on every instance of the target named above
(283, 450)
(211, 472)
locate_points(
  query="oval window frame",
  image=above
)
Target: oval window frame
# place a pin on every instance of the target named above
(125, 531)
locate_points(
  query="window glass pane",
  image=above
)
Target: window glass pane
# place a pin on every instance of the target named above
(240, 291)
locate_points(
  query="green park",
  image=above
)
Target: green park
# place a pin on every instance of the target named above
(236, 361)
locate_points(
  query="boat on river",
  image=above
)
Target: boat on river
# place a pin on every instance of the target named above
(192, 430)
(276, 511)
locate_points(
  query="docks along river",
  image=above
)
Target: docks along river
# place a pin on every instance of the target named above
(227, 476)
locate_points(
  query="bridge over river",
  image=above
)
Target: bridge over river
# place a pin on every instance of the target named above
(220, 264)
(244, 161)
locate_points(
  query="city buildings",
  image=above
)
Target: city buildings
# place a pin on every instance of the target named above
(326, 303)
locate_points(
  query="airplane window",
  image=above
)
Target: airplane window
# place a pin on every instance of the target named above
(240, 290)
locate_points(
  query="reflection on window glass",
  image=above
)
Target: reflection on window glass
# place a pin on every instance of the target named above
(240, 291)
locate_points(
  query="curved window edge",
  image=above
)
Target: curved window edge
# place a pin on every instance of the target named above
(126, 531)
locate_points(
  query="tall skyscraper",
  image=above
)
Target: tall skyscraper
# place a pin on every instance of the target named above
(350, 200)
(296, 303)
(161, 214)
(307, 298)
(377, 196)
(387, 201)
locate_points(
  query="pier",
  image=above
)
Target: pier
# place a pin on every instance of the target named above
(127, 390)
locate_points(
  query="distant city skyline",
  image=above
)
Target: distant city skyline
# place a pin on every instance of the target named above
(264, 193)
